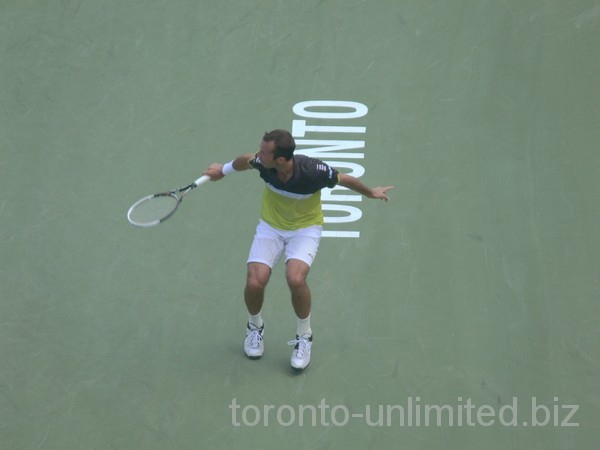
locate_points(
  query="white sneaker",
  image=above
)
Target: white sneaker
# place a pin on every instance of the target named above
(301, 354)
(253, 344)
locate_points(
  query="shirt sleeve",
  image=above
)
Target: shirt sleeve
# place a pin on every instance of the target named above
(255, 161)
(327, 174)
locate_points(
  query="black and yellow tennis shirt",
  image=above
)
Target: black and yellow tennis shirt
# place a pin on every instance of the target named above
(296, 203)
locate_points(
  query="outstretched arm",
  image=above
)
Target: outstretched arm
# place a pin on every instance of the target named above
(356, 185)
(215, 171)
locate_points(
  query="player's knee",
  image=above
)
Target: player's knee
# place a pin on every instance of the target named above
(295, 279)
(255, 283)
(257, 280)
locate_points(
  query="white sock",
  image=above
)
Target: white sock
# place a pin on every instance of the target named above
(255, 320)
(303, 326)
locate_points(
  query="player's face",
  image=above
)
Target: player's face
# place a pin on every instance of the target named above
(267, 154)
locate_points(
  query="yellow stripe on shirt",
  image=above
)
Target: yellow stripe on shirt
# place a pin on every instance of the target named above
(286, 213)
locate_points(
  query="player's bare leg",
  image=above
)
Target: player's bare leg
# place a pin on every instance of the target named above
(296, 274)
(256, 281)
(254, 294)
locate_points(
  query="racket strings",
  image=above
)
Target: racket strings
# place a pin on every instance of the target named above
(153, 209)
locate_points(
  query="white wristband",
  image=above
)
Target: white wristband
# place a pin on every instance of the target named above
(228, 168)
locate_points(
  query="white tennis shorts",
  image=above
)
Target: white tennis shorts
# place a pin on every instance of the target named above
(270, 243)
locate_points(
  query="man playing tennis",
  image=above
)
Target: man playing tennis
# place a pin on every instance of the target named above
(291, 223)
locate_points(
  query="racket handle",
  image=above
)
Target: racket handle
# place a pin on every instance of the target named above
(203, 179)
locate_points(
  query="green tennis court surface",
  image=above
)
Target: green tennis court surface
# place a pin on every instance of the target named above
(462, 314)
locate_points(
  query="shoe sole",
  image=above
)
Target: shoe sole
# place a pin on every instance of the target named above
(300, 369)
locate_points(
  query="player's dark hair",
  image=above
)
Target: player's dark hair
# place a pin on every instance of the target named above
(284, 143)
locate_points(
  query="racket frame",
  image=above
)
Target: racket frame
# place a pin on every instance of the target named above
(177, 194)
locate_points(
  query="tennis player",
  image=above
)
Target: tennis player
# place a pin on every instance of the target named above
(291, 224)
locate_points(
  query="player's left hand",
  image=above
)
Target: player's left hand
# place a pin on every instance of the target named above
(380, 192)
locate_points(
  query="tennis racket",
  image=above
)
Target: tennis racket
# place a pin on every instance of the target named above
(154, 209)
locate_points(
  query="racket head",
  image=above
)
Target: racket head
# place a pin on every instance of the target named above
(153, 209)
